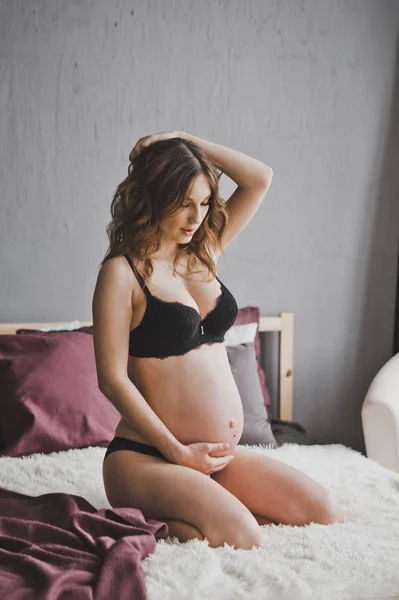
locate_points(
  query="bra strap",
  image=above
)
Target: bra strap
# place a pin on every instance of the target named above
(135, 271)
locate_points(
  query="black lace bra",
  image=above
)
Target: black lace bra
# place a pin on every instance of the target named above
(172, 328)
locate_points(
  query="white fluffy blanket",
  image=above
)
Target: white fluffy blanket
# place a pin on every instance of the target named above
(357, 559)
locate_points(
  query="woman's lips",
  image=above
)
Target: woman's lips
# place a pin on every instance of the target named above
(188, 231)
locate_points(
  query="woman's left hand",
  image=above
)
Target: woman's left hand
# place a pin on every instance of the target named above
(149, 139)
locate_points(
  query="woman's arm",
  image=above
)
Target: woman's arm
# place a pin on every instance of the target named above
(252, 177)
(133, 407)
(246, 171)
(112, 315)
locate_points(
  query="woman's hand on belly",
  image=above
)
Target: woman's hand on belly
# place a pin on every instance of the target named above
(197, 456)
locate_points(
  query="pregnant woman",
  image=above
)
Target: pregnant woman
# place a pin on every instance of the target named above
(159, 301)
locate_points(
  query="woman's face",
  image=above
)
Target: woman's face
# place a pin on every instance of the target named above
(193, 211)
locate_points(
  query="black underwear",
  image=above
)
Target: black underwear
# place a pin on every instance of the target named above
(121, 443)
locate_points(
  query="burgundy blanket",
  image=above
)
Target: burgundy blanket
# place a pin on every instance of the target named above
(59, 547)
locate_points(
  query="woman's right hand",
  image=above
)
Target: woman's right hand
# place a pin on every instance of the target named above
(196, 456)
(147, 140)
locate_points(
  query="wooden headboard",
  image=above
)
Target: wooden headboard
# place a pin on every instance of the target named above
(283, 323)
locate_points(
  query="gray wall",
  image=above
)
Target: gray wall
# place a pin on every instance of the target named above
(306, 86)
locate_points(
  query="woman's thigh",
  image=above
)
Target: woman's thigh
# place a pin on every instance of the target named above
(270, 488)
(165, 491)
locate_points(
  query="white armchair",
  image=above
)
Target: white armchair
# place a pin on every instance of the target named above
(380, 416)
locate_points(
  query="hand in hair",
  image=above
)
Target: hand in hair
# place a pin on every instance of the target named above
(149, 139)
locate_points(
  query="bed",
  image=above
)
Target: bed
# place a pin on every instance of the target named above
(61, 538)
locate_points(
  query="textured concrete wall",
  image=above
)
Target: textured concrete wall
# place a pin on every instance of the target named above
(306, 86)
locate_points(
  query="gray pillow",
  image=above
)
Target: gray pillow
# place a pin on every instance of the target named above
(257, 429)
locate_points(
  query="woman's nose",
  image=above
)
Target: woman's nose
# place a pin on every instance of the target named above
(196, 216)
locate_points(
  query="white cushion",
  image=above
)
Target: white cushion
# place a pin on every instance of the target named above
(240, 334)
(59, 326)
(380, 416)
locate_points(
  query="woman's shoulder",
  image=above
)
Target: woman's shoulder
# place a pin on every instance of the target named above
(122, 267)
(118, 263)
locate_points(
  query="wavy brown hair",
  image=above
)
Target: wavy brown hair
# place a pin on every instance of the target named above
(157, 183)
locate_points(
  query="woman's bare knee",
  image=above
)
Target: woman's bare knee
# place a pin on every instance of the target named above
(242, 536)
(182, 530)
(330, 510)
(242, 539)
(325, 512)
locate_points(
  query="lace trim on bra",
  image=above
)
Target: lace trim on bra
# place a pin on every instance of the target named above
(147, 292)
(184, 353)
(218, 299)
(176, 302)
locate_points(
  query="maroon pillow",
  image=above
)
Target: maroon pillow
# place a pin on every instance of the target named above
(250, 314)
(49, 395)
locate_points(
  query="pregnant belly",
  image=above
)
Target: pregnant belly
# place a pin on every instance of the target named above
(213, 414)
(202, 404)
